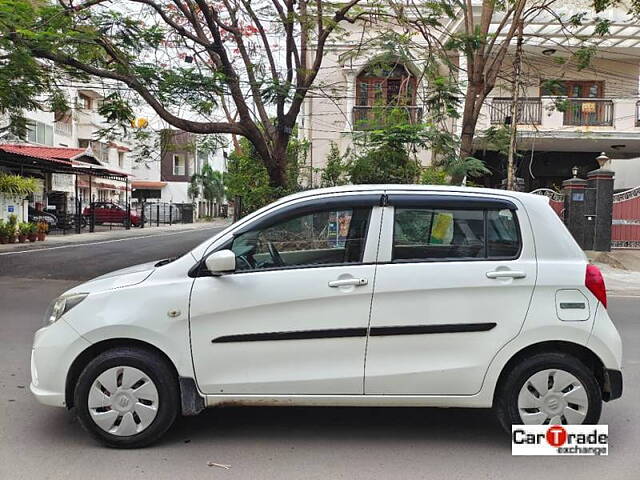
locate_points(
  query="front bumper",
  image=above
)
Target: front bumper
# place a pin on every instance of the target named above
(612, 385)
(54, 349)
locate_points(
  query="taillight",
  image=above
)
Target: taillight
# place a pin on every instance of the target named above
(595, 283)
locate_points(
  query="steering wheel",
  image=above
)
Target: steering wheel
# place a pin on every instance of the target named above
(245, 262)
(275, 255)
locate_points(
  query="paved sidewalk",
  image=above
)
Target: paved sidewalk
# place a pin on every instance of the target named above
(104, 234)
(621, 270)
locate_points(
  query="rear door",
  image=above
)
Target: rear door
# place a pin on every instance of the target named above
(455, 278)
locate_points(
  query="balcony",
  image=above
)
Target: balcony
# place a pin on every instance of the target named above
(529, 111)
(588, 112)
(549, 114)
(88, 122)
(373, 117)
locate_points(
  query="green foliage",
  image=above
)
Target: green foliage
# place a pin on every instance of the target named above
(297, 153)
(466, 167)
(9, 228)
(248, 179)
(210, 182)
(434, 176)
(584, 56)
(26, 228)
(498, 138)
(383, 164)
(335, 168)
(15, 185)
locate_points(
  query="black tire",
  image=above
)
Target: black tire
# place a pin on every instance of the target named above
(506, 398)
(156, 368)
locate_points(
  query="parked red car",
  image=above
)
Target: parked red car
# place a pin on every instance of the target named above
(107, 212)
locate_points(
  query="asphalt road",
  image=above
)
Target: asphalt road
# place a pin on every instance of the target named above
(302, 443)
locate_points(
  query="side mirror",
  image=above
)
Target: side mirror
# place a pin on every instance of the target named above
(221, 262)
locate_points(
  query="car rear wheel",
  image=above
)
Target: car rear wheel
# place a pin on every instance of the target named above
(549, 389)
(127, 397)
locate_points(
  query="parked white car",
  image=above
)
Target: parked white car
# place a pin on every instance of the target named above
(390, 295)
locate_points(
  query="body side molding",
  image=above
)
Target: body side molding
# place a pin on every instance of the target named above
(356, 332)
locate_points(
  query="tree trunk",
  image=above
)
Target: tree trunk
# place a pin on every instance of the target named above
(277, 166)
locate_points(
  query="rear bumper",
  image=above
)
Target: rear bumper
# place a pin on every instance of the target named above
(612, 385)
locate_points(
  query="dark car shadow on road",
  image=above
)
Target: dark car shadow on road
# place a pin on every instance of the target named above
(329, 424)
(306, 425)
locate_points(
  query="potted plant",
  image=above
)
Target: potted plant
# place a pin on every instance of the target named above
(11, 228)
(42, 230)
(33, 229)
(23, 231)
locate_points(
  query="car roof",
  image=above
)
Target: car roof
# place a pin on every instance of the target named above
(524, 197)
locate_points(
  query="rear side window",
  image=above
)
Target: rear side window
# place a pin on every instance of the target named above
(503, 239)
(425, 234)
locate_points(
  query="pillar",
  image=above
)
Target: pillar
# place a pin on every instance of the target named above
(574, 208)
(600, 204)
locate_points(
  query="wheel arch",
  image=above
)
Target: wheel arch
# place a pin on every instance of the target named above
(582, 353)
(191, 400)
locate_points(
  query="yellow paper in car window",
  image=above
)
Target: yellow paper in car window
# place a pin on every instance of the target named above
(442, 231)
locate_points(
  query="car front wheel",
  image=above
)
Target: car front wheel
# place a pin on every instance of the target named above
(549, 389)
(127, 397)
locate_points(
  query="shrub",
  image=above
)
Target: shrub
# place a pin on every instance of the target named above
(386, 163)
(434, 176)
(17, 186)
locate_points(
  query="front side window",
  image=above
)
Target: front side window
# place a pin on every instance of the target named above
(326, 237)
(449, 234)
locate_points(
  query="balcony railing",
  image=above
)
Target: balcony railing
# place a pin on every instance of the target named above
(596, 112)
(529, 111)
(369, 118)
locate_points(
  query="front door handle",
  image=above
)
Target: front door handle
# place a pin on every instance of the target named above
(506, 274)
(345, 282)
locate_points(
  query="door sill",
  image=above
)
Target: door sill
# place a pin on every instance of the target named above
(245, 400)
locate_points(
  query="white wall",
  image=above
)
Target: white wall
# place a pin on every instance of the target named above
(627, 173)
(176, 192)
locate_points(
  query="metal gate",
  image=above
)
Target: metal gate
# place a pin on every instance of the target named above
(625, 228)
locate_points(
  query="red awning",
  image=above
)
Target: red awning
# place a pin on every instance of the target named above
(147, 184)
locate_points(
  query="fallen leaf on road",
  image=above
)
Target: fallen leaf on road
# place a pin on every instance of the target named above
(219, 465)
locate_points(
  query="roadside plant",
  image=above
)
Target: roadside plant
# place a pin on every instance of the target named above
(42, 228)
(16, 185)
(210, 183)
(334, 171)
(434, 176)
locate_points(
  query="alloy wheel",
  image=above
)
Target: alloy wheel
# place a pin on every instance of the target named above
(123, 401)
(553, 397)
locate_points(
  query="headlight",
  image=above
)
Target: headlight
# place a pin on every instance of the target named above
(62, 305)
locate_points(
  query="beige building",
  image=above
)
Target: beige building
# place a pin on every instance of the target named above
(567, 116)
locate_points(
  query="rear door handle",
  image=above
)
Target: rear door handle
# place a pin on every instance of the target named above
(506, 274)
(345, 282)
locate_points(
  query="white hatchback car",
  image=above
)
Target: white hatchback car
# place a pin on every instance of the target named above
(392, 295)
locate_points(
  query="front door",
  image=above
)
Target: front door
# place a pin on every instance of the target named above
(453, 286)
(293, 317)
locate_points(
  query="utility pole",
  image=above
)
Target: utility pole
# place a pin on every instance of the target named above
(517, 66)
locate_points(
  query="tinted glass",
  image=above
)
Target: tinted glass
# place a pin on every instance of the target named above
(319, 238)
(503, 239)
(423, 234)
(432, 234)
